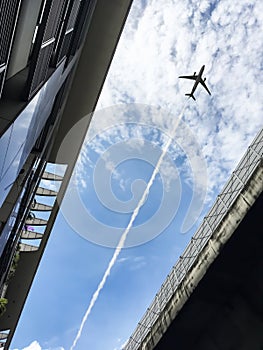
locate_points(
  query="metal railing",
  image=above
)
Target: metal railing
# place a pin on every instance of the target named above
(223, 203)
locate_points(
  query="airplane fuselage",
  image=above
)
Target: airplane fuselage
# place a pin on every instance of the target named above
(198, 79)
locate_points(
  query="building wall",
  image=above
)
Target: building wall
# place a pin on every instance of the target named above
(45, 48)
(38, 60)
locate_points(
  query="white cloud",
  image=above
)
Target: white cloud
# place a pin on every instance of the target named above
(135, 262)
(162, 41)
(121, 347)
(33, 346)
(166, 39)
(122, 260)
(36, 346)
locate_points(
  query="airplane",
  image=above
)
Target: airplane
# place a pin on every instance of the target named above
(198, 79)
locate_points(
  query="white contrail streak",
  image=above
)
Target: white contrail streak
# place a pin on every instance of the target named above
(126, 231)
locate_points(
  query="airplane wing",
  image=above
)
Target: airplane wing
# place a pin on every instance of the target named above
(203, 83)
(192, 77)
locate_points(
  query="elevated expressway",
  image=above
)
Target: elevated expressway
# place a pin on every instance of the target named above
(213, 297)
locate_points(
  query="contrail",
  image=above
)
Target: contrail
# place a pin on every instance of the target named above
(126, 231)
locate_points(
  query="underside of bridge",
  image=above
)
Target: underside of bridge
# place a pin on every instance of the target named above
(225, 310)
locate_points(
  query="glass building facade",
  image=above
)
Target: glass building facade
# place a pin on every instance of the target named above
(45, 45)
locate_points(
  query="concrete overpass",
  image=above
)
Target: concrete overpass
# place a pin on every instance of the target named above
(87, 69)
(213, 297)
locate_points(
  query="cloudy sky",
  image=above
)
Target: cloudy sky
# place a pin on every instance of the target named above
(141, 108)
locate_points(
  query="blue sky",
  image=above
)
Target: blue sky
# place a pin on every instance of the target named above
(161, 40)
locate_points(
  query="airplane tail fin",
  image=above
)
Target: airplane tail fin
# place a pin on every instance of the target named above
(191, 95)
